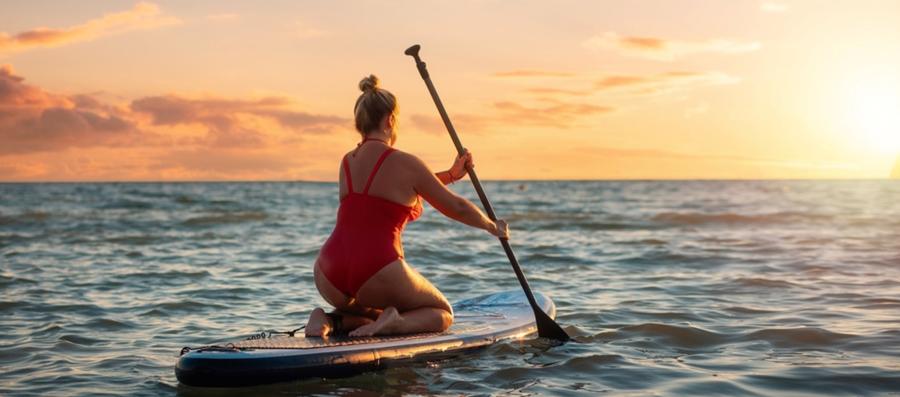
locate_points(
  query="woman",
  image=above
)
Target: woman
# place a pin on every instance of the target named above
(361, 270)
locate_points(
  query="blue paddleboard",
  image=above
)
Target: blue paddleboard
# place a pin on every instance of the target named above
(478, 322)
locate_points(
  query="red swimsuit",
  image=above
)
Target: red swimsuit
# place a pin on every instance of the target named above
(366, 237)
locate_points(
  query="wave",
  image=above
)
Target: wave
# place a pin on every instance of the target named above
(107, 324)
(812, 380)
(749, 310)
(24, 218)
(187, 306)
(185, 199)
(226, 218)
(690, 337)
(798, 337)
(879, 304)
(765, 283)
(12, 280)
(127, 205)
(8, 306)
(592, 226)
(699, 218)
(139, 239)
(79, 340)
(694, 337)
(546, 215)
(168, 275)
(221, 294)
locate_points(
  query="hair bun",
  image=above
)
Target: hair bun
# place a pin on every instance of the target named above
(368, 83)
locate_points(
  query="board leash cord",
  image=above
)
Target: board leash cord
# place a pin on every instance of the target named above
(231, 347)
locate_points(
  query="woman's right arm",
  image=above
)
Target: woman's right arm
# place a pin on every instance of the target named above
(451, 204)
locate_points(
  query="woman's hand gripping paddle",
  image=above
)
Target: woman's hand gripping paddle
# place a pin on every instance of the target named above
(547, 328)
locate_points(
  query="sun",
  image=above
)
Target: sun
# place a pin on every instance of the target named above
(875, 113)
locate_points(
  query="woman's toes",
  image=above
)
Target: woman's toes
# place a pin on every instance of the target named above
(365, 330)
(386, 324)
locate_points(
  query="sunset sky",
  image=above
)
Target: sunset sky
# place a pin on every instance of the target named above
(625, 89)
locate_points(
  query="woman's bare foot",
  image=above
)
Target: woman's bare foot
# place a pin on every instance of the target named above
(318, 324)
(385, 324)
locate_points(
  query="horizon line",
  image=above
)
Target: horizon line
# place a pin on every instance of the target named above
(149, 181)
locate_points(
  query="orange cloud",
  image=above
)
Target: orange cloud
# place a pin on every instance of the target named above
(223, 117)
(621, 81)
(664, 82)
(223, 17)
(223, 163)
(556, 91)
(660, 49)
(774, 6)
(303, 30)
(33, 120)
(533, 73)
(640, 84)
(611, 152)
(559, 114)
(45, 135)
(433, 124)
(141, 16)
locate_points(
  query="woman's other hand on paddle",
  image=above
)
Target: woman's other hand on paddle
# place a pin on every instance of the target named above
(500, 229)
(461, 165)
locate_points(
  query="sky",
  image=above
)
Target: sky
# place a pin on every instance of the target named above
(612, 89)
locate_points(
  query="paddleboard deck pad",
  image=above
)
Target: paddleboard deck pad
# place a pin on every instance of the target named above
(478, 322)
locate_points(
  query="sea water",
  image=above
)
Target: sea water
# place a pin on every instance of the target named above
(669, 288)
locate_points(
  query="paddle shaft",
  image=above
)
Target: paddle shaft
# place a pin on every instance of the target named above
(477, 183)
(541, 317)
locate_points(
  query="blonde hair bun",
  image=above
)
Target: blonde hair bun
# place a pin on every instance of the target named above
(368, 83)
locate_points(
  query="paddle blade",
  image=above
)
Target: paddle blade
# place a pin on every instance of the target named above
(547, 328)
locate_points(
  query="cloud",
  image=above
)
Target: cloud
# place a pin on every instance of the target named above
(533, 73)
(639, 85)
(141, 16)
(605, 151)
(223, 17)
(302, 30)
(556, 91)
(696, 110)
(226, 119)
(774, 6)
(664, 82)
(223, 163)
(559, 114)
(33, 120)
(461, 122)
(621, 81)
(659, 49)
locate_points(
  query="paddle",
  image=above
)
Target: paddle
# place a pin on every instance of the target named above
(547, 328)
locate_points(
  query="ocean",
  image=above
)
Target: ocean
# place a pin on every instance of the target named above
(669, 288)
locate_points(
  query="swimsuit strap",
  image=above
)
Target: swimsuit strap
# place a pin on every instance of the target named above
(347, 174)
(375, 170)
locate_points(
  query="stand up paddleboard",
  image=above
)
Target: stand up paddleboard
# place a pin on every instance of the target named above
(478, 322)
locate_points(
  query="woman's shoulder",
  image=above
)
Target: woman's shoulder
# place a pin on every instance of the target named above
(408, 160)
